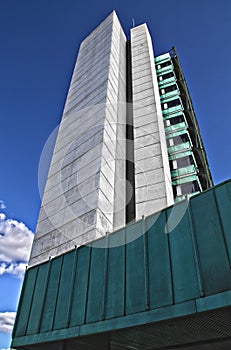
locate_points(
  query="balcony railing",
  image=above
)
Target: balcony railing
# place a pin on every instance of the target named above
(178, 148)
(164, 69)
(170, 94)
(165, 81)
(176, 127)
(191, 169)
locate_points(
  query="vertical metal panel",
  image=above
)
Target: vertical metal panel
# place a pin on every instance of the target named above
(96, 285)
(116, 276)
(223, 196)
(25, 302)
(80, 287)
(211, 245)
(45, 293)
(51, 295)
(63, 301)
(38, 299)
(159, 265)
(184, 273)
(135, 278)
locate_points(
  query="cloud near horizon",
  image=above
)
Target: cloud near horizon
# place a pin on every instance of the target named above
(15, 245)
(7, 321)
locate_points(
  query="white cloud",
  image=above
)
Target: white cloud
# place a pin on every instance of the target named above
(2, 217)
(16, 269)
(2, 205)
(15, 245)
(7, 322)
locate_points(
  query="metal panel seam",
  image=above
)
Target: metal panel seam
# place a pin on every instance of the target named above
(195, 250)
(222, 227)
(45, 294)
(125, 267)
(56, 301)
(104, 298)
(37, 268)
(146, 265)
(73, 277)
(170, 258)
(88, 282)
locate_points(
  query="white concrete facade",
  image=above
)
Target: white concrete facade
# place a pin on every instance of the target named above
(85, 193)
(79, 202)
(153, 188)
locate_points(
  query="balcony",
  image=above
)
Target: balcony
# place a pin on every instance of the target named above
(172, 110)
(165, 81)
(180, 155)
(184, 180)
(178, 148)
(169, 94)
(191, 169)
(162, 58)
(164, 69)
(176, 127)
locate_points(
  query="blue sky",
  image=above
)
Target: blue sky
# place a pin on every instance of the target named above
(39, 42)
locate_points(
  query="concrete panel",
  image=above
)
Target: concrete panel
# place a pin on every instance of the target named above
(150, 207)
(147, 164)
(149, 177)
(147, 193)
(147, 140)
(147, 152)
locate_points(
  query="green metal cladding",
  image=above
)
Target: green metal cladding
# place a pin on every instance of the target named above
(172, 269)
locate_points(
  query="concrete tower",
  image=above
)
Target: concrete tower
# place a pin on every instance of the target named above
(79, 203)
(128, 142)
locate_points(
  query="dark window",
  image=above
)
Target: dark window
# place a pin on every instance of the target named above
(177, 140)
(174, 103)
(166, 76)
(183, 137)
(181, 162)
(174, 191)
(190, 187)
(171, 165)
(164, 64)
(175, 120)
(187, 188)
(170, 104)
(184, 161)
(170, 88)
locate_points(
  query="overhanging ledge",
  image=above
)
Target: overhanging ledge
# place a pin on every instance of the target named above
(204, 330)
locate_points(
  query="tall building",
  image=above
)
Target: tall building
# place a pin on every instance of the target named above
(188, 162)
(128, 143)
(127, 171)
